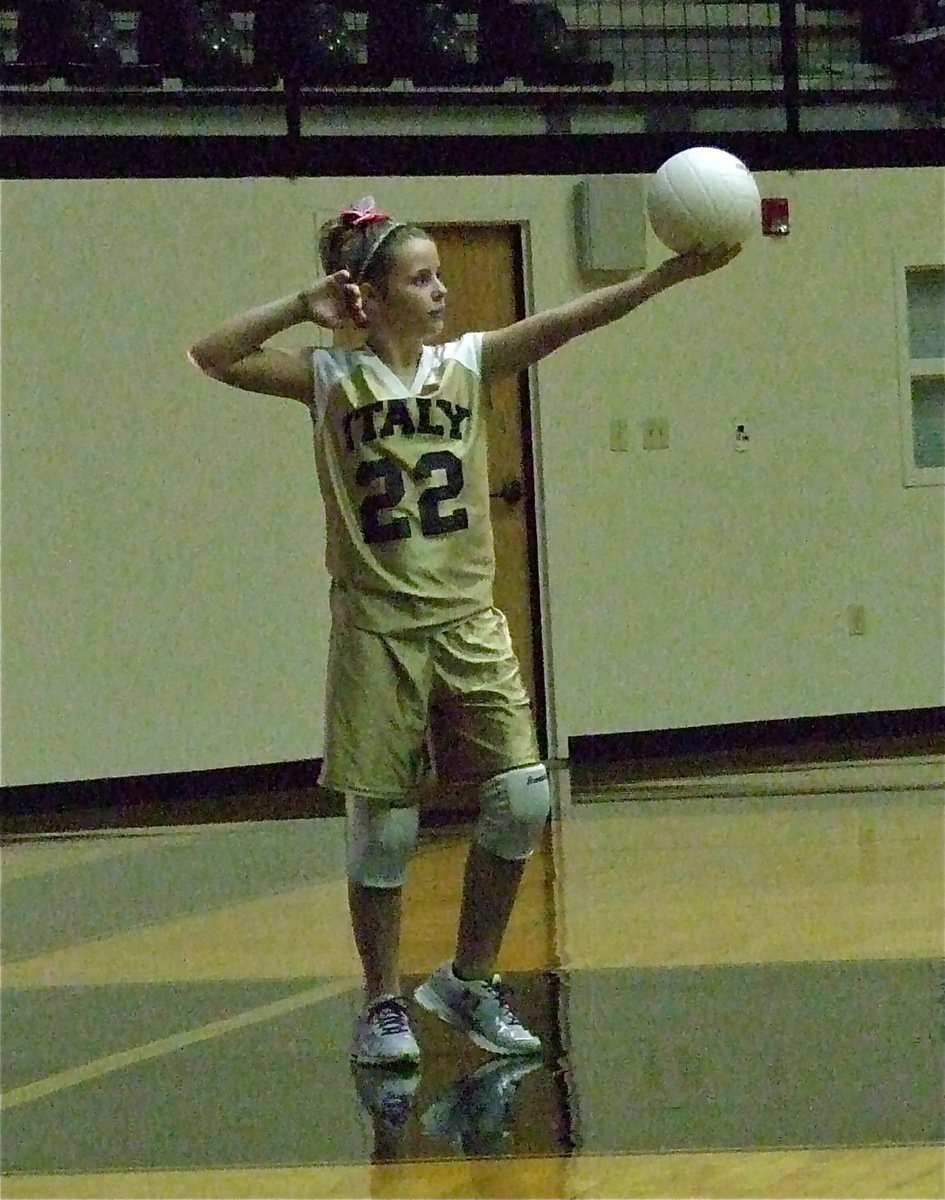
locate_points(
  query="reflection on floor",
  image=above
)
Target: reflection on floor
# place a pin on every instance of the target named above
(278, 1091)
(716, 973)
(750, 1057)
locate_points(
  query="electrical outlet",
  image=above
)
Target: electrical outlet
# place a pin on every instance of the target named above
(856, 620)
(656, 434)
(619, 434)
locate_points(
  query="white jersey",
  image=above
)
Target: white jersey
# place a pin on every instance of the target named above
(404, 479)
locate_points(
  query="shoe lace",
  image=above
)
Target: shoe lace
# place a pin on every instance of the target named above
(503, 994)
(391, 1016)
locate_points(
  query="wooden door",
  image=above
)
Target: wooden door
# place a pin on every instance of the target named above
(481, 266)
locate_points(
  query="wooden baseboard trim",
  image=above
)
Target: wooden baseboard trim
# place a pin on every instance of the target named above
(289, 790)
(715, 749)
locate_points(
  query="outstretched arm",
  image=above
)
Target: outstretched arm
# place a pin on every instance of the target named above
(505, 351)
(235, 352)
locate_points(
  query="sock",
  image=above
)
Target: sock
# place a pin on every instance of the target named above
(469, 978)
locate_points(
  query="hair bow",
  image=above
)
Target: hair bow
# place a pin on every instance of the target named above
(363, 213)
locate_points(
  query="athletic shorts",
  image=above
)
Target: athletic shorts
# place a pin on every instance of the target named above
(393, 700)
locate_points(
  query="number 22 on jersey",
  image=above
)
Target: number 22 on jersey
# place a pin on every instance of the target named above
(387, 487)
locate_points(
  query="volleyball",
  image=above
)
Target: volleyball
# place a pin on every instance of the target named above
(702, 199)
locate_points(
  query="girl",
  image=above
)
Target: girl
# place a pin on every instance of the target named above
(400, 448)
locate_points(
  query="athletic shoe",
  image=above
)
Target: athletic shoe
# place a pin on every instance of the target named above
(382, 1035)
(480, 1007)
(475, 1114)
(387, 1096)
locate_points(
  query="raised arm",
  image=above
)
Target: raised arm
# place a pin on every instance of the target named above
(235, 352)
(505, 351)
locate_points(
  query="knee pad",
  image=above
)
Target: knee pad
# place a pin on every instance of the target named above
(379, 841)
(514, 807)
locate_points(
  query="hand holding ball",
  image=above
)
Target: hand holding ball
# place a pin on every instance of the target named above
(703, 199)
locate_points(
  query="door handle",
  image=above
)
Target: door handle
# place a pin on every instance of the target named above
(511, 492)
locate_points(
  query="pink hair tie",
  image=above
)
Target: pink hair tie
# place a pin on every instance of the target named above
(361, 216)
(363, 213)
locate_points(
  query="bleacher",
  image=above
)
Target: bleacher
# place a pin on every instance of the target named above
(661, 46)
(646, 49)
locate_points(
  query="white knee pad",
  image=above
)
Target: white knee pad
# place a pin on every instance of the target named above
(514, 807)
(379, 839)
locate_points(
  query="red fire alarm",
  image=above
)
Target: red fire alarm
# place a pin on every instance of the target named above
(775, 216)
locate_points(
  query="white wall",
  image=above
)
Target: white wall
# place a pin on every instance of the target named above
(163, 593)
(721, 580)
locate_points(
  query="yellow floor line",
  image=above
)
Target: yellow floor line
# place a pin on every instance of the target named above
(99, 1067)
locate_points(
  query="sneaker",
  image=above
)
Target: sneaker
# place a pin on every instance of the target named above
(475, 1114)
(480, 1007)
(382, 1035)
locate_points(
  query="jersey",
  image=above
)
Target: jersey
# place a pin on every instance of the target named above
(404, 479)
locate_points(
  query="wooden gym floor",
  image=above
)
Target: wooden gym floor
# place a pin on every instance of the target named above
(739, 981)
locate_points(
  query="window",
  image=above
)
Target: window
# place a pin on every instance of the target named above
(922, 375)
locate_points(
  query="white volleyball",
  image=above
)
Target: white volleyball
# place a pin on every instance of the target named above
(701, 199)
